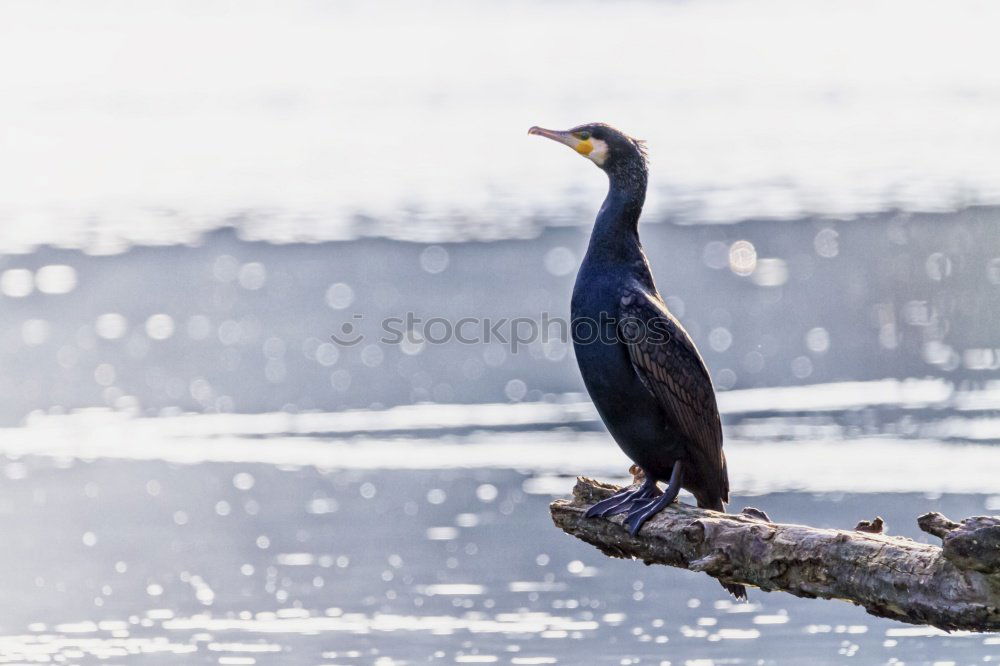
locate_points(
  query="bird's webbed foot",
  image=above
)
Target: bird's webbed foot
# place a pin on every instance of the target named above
(643, 510)
(623, 500)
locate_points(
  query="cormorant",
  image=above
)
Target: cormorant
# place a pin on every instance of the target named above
(641, 368)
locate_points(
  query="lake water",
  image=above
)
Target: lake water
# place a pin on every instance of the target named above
(421, 534)
(198, 197)
(146, 122)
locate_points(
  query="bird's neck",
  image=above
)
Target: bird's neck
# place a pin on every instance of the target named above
(615, 237)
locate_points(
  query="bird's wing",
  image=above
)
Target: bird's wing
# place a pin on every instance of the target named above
(671, 368)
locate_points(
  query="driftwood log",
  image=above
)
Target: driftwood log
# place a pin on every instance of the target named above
(953, 587)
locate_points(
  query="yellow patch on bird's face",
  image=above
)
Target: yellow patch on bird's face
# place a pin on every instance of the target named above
(585, 147)
(598, 151)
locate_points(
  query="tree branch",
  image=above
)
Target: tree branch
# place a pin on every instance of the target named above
(955, 587)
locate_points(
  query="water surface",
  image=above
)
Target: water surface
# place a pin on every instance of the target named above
(151, 123)
(151, 562)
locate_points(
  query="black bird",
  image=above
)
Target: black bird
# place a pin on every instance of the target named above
(641, 368)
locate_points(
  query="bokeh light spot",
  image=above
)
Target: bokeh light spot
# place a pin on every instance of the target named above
(160, 326)
(111, 326)
(16, 282)
(742, 257)
(560, 261)
(56, 279)
(339, 296)
(434, 259)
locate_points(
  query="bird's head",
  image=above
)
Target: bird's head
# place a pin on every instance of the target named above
(608, 148)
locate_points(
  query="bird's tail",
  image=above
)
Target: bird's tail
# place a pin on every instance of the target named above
(735, 589)
(738, 591)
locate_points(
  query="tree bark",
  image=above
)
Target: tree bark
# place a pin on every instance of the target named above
(954, 587)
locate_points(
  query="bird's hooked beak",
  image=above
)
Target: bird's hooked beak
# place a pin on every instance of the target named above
(584, 147)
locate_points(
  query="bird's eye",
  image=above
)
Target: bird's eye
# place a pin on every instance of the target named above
(583, 136)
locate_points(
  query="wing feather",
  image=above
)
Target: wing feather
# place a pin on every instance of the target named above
(670, 367)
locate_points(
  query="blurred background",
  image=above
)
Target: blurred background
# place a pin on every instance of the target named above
(197, 195)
